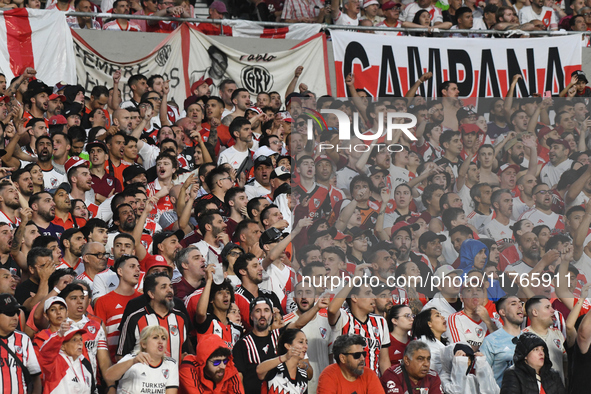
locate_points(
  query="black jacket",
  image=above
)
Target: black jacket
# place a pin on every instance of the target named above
(521, 378)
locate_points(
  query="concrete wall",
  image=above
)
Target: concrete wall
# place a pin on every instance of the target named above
(131, 46)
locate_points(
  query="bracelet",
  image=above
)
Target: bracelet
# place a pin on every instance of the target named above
(57, 290)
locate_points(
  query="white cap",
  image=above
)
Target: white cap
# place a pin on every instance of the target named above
(445, 270)
(264, 151)
(52, 300)
(370, 2)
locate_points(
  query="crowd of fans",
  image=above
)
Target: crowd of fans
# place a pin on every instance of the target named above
(435, 16)
(213, 247)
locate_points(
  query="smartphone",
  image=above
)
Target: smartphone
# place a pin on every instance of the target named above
(547, 93)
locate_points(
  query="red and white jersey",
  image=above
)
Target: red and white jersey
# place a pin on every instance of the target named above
(537, 217)
(461, 328)
(335, 195)
(374, 330)
(79, 267)
(550, 174)
(84, 276)
(499, 232)
(519, 207)
(142, 378)
(164, 203)
(12, 378)
(95, 339)
(114, 25)
(479, 220)
(389, 33)
(547, 16)
(5, 219)
(62, 374)
(281, 281)
(109, 308)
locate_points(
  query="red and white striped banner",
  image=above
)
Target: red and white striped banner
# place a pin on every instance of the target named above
(297, 31)
(40, 39)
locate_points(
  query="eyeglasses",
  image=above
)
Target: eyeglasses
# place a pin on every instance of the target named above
(155, 98)
(216, 363)
(235, 254)
(543, 192)
(98, 255)
(223, 179)
(409, 316)
(357, 355)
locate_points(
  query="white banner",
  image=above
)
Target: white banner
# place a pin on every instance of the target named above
(94, 69)
(482, 67)
(36, 38)
(260, 72)
(297, 31)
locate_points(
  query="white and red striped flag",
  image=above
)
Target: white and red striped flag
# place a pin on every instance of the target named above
(297, 31)
(40, 39)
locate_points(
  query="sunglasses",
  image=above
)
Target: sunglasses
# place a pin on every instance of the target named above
(357, 355)
(542, 192)
(216, 363)
(301, 124)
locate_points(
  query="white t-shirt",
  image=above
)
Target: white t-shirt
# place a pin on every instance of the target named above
(255, 189)
(537, 217)
(550, 175)
(479, 221)
(581, 199)
(519, 207)
(467, 203)
(409, 13)
(232, 156)
(499, 232)
(519, 267)
(344, 20)
(52, 179)
(142, 378)
(584, 266)
(398, 175)
(278, 280)
(547, 16)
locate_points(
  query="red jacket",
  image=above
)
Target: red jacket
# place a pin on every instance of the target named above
(191, 378)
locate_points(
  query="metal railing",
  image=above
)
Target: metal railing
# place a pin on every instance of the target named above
(325, 27)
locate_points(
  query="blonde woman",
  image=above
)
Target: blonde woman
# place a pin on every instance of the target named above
(149, 367)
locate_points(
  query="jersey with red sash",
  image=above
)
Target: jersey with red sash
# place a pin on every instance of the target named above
(319, 203)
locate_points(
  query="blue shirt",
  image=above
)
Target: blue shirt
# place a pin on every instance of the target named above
(498, 349)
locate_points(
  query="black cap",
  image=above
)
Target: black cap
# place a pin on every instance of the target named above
(464, 113)
(72, 109)
(263, 160)
(65, 186)
(271, 235)
(281, 172)
(97, 144)
(375, 170)
(429, 236)
(259, 300)
(132, 171)
(38, 86)
(355, 232)
(160, 236)
(313, 236)
(8, 304)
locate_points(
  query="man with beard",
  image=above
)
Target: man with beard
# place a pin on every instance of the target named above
(161, 309)
(212, 226)
(260, 185)
(219, 182)
(237, 154)
(61, 147)
(451, 142)
(349, 374)
(542, 213)
(81, 181)
(115, 165)
(51, 177)
(43, 208)
(95, 261)
(102, 183)
(72, 242)
(260, 345)
(325, 170)
(241, 101)
(525, 200)
(250, 272)
(167, 244)
(529, 246)
(482, 214)
(9, 203)
(23, 182)
(37, 96)
(559, 162)
(63, 205)
(499, 228)
(498, 347)
(414, 371)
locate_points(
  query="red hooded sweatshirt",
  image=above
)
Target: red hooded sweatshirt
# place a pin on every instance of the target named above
(191, 378)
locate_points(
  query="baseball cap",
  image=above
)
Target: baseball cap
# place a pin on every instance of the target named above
(581, 75)
(57, 120)
(543, 132)
(511, 143)
(219, 7)
(257, 301)
(73, 331)
(505, 167)
(263, 160)
(445, 270)
(355, 232)
(470, 128)
(52, 300)
(97, 144)
(36, 87)
(281, 173)
(75, 161)
(132, 171)
(8, 304)
(152, 261)
(4, 98)
(314, 235)
(429, 236)
(160, 236)
(285, 116)
(64, 186)
(203, 80)
(72, 109)
(426, 216)
(55, 96)
(464, 113)
(376, 170)
(320, 158)
(551, 141)
(263, 151)
(388, 5)
(341, 236)
(271, 235)
(404, 226)
(254, 109)
(370, 2)
(190, 101)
